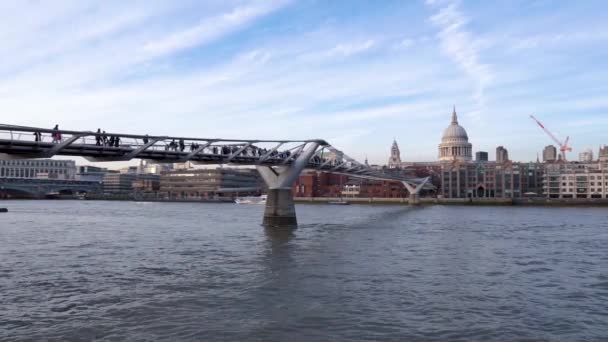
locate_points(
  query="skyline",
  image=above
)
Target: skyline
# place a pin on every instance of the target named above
(353, 73)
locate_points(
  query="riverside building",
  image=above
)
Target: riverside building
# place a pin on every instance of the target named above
(198, 184)
(38, 169)
(575, 180)
(492, 180)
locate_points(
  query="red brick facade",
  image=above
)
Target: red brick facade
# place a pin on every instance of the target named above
(322, 184)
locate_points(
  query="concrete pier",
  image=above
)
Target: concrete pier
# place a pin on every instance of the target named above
(280, 209)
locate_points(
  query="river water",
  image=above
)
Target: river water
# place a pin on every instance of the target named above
(113, 271)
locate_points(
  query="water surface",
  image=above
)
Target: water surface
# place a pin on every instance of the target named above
(84, 270)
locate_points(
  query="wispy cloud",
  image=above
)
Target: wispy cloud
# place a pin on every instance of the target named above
(566, 39)
(345, 50)
(212, 28)
(462, 47)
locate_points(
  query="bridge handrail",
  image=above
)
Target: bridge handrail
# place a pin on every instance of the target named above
(31, 130)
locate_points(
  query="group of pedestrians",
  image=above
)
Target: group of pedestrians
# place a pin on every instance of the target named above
(251, 151)
(102, 139)
(175, 146)
(56, 135)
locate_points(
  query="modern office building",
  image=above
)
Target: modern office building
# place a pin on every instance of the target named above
(574, 180)
(492, 180)
(549, 154)
(481, 156)
(116, 183)
(90, 173)
(210, 183)
(38, 168)
(502, 155)
(586, 156)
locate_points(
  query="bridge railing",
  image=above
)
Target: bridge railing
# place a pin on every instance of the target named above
(104, 146)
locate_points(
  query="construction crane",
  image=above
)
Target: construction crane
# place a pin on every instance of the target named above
(563, 146)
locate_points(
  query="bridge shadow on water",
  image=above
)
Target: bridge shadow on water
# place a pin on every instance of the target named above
(278, 236)
(363, 217)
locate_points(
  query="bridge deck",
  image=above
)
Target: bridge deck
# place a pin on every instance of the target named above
(17, 142)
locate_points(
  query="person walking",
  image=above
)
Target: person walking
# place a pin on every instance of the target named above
(56, 135)
(104, 138)
(98, 137)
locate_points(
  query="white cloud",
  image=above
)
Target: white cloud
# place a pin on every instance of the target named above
(566, 39)
(406, 43)
(462, 47)
(345, 50)
(212, 28)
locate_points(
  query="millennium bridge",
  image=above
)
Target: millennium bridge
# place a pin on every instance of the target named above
(279, 162)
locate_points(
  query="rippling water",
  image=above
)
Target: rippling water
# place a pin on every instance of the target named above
(83, 270)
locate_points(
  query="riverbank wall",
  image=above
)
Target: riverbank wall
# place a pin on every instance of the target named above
(463, 201)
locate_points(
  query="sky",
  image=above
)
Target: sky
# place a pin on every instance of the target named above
(355, 73)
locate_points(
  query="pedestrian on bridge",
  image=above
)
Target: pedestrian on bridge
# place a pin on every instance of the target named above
(146, 139)
(182, 145)
(98, 137)
(104, 138)
(56, 135)
(37, 136)
(117, 141)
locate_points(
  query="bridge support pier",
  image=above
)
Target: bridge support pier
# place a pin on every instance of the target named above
(414, 198)
(280, 210)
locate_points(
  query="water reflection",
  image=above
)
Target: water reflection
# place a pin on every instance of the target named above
(278, 236)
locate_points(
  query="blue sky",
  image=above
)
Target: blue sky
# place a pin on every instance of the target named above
(356, 73)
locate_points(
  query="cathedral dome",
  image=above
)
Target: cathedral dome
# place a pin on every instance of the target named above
(455, 142)
(455, 132)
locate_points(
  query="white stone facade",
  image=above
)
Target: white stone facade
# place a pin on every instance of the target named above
(38, 168)
(565, 181)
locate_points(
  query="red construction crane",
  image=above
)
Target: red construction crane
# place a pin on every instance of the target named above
(563, 146)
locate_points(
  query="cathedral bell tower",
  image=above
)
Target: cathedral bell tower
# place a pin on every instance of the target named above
(395, 160)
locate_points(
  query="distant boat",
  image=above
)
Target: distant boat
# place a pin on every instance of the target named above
(251, 200)
(338, 203)
(52, 195)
